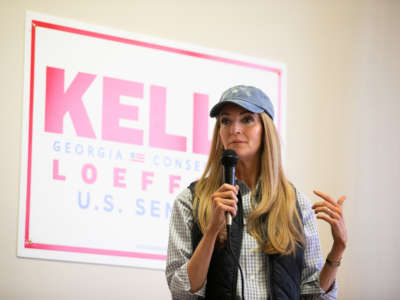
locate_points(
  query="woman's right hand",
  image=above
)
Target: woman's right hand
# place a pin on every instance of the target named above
(224, 200)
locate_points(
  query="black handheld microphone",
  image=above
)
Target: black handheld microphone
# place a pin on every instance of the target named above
(229, 159)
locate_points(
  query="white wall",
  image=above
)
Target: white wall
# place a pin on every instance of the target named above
(342, 135)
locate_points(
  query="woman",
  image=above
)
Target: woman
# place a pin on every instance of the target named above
(274, 235)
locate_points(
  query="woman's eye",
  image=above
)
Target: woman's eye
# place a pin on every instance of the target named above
(247, 119)
(225, 121)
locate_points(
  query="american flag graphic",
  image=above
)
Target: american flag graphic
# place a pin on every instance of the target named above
(137, 157)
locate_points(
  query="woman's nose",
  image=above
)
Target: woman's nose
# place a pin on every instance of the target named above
(236, 128)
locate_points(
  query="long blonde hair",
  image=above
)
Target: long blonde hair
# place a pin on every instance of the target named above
(274, 222)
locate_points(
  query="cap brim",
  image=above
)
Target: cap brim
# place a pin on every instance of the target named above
(214, 112)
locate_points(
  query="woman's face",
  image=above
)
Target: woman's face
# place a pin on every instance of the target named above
(240, 130)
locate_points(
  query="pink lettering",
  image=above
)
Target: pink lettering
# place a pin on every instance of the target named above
(146, 179)
(173, 183)
(61, 100)
(58, 102)
(89, 173)
(201, 143)
(56, 174)
(119, 177)
(158, 137)
(113, 110)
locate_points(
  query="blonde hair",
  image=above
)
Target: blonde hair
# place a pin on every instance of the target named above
(274, 222)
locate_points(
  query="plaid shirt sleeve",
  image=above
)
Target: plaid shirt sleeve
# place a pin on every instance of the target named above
(310, 285)
(180, 248)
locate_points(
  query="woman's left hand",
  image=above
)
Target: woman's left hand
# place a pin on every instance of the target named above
(332, 212)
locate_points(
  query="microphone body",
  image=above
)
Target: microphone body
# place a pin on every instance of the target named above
(229, 160)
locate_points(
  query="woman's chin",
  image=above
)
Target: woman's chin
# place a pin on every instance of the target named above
(242, 154)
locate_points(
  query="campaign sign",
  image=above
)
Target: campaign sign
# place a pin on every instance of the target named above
(115, 125)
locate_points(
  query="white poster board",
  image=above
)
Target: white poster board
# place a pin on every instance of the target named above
(114, 126)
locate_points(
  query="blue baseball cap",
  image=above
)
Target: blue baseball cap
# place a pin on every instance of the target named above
(248, 97)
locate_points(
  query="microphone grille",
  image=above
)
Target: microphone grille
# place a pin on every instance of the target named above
(229, 158)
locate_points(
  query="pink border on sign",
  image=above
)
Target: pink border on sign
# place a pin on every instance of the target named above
(28, 242)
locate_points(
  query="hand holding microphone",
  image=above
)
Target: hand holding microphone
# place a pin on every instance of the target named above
(225, 198)
(229, 160)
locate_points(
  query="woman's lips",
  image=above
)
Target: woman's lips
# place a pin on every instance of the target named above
(238, 142)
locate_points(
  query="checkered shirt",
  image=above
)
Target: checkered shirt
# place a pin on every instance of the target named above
(252, 260)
